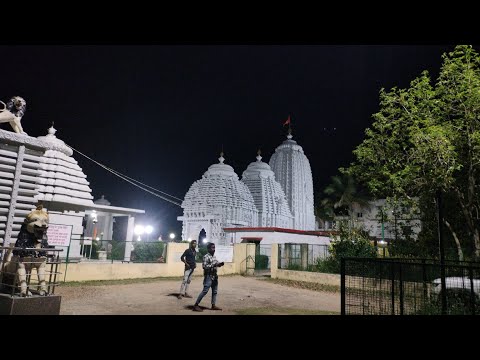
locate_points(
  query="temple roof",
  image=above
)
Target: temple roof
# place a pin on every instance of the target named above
(218, 187)
(60, 178)
(266, 191)
(293, 172)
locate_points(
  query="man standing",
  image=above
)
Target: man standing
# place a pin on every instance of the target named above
(210, 280)
(188, 258)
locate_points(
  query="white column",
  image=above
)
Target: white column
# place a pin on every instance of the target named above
(13, 195)
(129, 238)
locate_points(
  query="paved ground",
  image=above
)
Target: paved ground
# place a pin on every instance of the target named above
(236, 295)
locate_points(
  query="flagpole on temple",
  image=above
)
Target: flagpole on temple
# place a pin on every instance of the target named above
(289, 123)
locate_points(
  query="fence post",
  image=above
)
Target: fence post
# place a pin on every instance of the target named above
(392, 271)
(279, 257)
(442, 251)
(472, 292)
(401, 287)
(424, 278)
(342, 285)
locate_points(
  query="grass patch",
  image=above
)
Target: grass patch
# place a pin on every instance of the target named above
(282, 311)
(118, 282)
(305, 285)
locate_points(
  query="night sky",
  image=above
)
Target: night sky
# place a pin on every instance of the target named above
(161, 113)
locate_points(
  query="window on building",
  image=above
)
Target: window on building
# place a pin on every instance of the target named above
(359, 215)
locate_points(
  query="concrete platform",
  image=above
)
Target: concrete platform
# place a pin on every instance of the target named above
(33, 305)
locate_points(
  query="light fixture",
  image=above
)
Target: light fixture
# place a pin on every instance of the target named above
(148, 229)
(172, 236)
(204, 240)
(139, 229)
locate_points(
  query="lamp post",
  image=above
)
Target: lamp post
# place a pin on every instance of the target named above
(148, 230)
(139, 230)
(94, 221)
(172, 236)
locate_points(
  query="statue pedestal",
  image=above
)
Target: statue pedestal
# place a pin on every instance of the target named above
(33, 305)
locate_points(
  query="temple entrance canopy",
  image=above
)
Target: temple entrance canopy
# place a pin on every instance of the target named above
(105, 212)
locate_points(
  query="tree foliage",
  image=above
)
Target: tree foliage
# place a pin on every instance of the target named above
(426, 138)
(339, 198)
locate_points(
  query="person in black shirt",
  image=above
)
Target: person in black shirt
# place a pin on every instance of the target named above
(188, 258)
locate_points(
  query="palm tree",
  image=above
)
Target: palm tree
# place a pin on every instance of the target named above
(343, 193)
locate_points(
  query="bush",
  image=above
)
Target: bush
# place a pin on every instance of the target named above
(147, 251)
(201, 253)
(407, 248)
(351, 242)
(95, 249)
(117, 251)
(330, 265)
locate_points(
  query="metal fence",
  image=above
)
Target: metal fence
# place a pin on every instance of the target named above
(408, 287)
(16, 271)
(301, 256)
(113, 250)
(263, 257)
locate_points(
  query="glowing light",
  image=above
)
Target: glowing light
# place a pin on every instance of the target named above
(148, 229)
(172, 236)
(139, 230)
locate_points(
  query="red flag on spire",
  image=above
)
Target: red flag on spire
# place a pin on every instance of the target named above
(287, 122)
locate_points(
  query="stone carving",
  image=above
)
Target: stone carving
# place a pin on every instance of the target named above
(33, 234)
(13, 112)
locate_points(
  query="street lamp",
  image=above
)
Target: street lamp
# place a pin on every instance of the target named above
(139, 230)
(94, 221)
(148, 230)
(172, 236)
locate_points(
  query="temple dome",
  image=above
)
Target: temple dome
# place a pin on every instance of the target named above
(219, 199)
(292, 170)
(270, 201)
(60, 178)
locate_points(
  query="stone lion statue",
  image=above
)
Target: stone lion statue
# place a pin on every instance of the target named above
(13, 112)
(33, 234)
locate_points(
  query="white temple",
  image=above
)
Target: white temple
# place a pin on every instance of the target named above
(278, 195)
(272, 206)
(60, 178)
(292, 170)
(218, 200)
(42, 170)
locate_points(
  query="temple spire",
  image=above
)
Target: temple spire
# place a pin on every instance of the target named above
(221, 159)
(289, 136)
(259, 152)
(52, 130)
(289, 123)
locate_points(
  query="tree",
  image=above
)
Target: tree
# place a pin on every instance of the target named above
(341, 194)
(426, 139)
